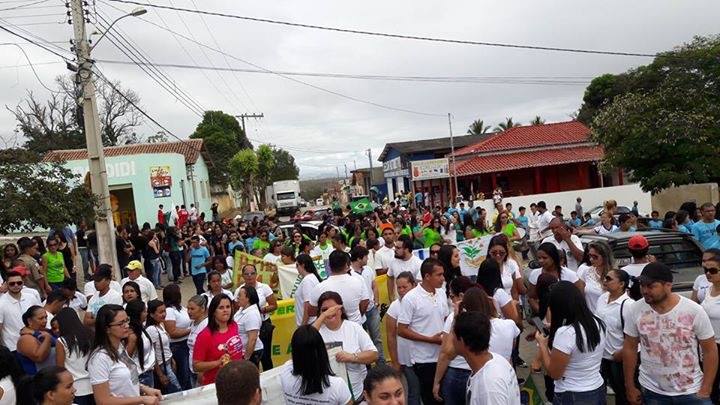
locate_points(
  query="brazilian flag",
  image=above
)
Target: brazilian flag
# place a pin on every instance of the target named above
(361, 206)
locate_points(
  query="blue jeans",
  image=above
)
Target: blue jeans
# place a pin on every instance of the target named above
(372, 325)
(173, 384)
(413, 386)
(147, 378)
(199, 281)
(157, 270)
(85, 259)
(653, 398)
(181, 354)
(595, 397)
(453, 386)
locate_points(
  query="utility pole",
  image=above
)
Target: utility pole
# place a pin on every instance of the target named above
(242, 121)
(370, 177)
(452, 154)
(104, 228)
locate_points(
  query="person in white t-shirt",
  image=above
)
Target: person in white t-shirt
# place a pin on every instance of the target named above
(358, 350)
(669, 328)
(103, 295)
(215, 287)
(249, 321)
(711, 305)
(398, 346)
(421, 320)
(549, 260)
(267, 303)
(358, 264)
(563, 239)
(591, 278)
(404, 260)
(701, 284)
(490, 280)
(606, 226)
(147, 289)
(613, 308)
(574, 364)
(354, 294)
(178, 324)
(386, 253)
(13, 305)
(308, 379)
(310, 278)
(493, 379)
(543, 220)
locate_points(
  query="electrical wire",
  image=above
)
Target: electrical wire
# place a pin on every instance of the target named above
(135, 55)
(390, 35)
(550, 80)
(23, 5)
(336, 93)
(35, 71)
(34, 43)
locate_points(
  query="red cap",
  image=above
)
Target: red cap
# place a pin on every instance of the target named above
(638, 242)
(21, 269)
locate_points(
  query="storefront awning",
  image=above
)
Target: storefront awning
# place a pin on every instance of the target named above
(529, 159)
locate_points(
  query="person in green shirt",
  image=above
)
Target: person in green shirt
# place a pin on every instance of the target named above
(507, 227)
(262, 242)
(430, 233)
(53, 265)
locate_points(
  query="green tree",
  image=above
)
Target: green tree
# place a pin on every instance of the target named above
(266, 163)
(44, 195)
(537, 120)
(504, 126)
(664, 128)
(478, 127)
(243, 170)
(285, 167)
(223, 138)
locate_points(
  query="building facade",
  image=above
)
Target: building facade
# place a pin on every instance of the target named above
(143, 176)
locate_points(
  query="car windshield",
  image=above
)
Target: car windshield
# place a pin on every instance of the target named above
(286, 196)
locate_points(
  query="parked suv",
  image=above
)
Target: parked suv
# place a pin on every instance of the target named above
(680, 251)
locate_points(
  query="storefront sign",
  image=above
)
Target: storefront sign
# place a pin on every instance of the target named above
(160, 181)
(430, 169)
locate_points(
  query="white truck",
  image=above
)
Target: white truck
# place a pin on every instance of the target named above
(286, 196)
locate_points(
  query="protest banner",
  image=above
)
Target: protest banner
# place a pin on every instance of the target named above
(472, 253)
(267, 272)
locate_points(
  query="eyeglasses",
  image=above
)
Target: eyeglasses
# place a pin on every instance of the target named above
(15, 283)
(124, 322)
(497, 253)
(711, 270)
(435, 251)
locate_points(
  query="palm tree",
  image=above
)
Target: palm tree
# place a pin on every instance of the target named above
(504, 126)
(537, 121)
(478, 127)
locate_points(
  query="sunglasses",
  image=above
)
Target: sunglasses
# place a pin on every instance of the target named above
(435, 252)
(249, 274)
(711, 270)
(15, 283)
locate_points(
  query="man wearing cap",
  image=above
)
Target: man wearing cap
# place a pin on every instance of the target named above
(563, 239)
(638, 246)
(668, 328)
(147, 289)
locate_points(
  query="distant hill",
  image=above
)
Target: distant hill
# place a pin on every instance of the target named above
(312, 189)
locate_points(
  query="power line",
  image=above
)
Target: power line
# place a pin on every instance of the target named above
(23, 5)
(551, 80)
(34, 43)
(127, 48)
(35, 71)
(336, 93)
(390, 35)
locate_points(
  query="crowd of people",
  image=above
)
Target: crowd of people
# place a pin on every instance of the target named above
(453, 337)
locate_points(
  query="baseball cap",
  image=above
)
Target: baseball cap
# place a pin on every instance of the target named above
(656, 271)
(385, 226)
(134, 265)
(21, 269)
(638, 242)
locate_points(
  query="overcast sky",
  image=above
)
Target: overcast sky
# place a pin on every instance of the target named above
(339, 130)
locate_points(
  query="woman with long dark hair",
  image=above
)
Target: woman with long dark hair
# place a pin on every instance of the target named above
(36, 346)
(138, 344)
(268, 303)
(490, 280)
(50, 386)
(310, 278)
(164, 364)
(591, 278)
(449, 256)
(578, 344)
(10, 376)
(249, 322)
(358, 351)
(177, 325)
(112, 372)
(549, 259)
(130, 292)
(219, 343)
(73, 351)
(512, 279)
(309, 379)
(384, 385)
(214, 286)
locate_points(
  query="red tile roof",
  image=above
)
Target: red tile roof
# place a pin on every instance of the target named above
(531, 136)
(523, 160)
(190, 148)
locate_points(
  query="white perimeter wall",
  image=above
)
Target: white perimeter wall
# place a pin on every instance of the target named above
(592, 197)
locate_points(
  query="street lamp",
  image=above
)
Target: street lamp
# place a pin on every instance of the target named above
(137, 12)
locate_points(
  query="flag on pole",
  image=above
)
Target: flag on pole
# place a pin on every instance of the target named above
(361, 206)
